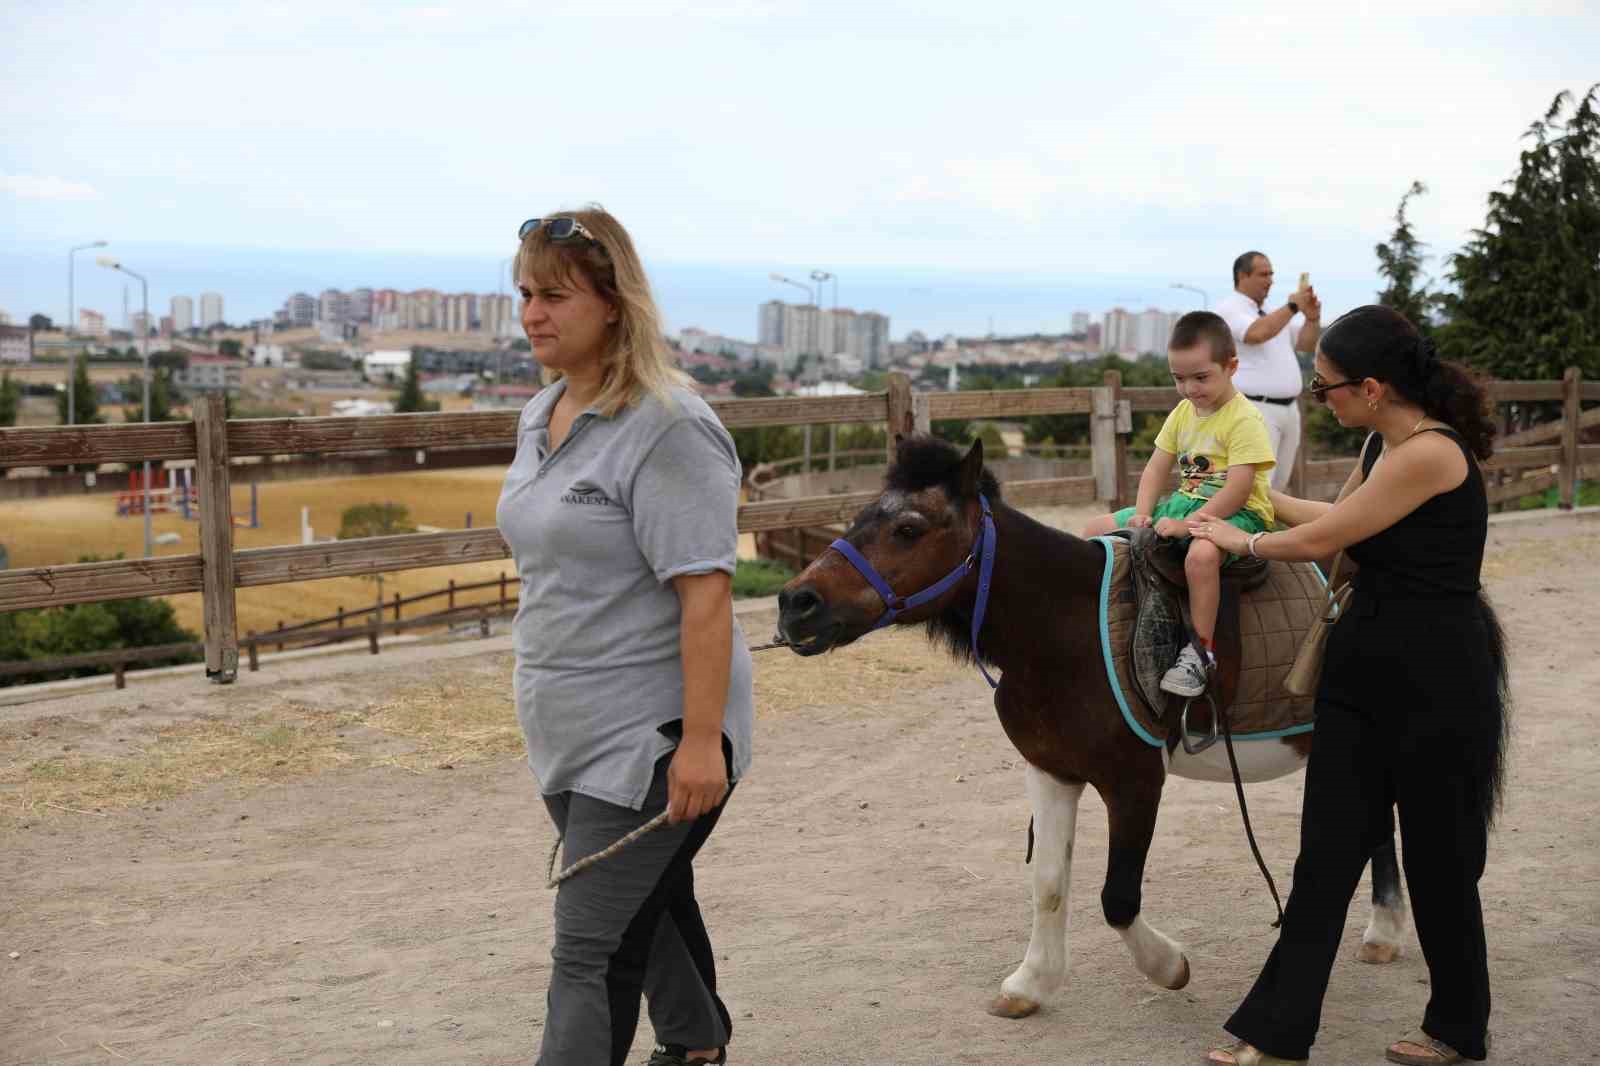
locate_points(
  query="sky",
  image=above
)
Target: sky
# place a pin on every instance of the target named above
(936, 156)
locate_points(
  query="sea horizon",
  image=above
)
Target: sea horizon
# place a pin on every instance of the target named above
(720, 297)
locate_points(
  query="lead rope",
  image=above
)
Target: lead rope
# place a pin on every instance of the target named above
(1244, 813)
(554, 879)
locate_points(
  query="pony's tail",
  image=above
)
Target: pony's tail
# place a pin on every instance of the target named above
(1494, 737)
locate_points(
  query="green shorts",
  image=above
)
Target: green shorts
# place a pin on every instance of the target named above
(1179, 506)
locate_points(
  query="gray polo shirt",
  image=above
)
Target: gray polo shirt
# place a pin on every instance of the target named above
(598, 530)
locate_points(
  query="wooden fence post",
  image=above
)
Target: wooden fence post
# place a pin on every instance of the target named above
(1571, 414)
(397, 607)
(1297, 476)
(451, 602)
(1103, 444)
(899, 417)
(341, 616)
(255, 651)
(219, 605)
(502, 588)
(280, 643)
(1113, 381)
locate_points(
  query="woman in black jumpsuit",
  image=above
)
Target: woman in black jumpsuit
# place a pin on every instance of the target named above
(1411, 710)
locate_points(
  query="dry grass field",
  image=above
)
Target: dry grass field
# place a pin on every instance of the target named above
(62, 530)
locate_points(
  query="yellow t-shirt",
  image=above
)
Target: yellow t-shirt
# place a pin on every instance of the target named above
(1232, 435)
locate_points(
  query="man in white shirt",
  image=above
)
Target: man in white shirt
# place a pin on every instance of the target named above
(1269, 374)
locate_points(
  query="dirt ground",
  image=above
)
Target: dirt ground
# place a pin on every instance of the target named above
(341, 861)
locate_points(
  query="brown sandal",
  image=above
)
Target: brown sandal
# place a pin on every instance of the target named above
(1241, 1053)
(1434, 1052)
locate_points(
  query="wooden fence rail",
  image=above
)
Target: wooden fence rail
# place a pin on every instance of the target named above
(217, 570)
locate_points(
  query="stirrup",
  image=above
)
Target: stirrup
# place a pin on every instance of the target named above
(1183, 725)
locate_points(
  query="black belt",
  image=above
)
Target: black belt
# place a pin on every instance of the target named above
(1285, 400)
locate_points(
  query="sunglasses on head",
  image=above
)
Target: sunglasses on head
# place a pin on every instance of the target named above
(557, 229)
(1319, 389)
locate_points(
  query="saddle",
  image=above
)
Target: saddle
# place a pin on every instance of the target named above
(1264, 612)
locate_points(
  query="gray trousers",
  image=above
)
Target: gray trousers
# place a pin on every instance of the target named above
(628, 926)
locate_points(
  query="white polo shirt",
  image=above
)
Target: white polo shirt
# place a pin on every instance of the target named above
(1268, 369)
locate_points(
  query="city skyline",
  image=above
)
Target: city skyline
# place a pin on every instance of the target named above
(854, 175)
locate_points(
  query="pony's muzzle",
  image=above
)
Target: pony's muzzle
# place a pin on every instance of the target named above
(804, 620)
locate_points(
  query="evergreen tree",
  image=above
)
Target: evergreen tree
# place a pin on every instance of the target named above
(1400, 263)
(1528, 304)
(86, 408)
(411, 398)
(161, 397)
(10, 400)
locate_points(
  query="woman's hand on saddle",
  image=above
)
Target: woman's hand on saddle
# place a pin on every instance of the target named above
(1171, 528)
(1139, 521)
(697, 779)
(1228, 538)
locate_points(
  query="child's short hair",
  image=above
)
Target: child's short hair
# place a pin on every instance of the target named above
(1204, 327)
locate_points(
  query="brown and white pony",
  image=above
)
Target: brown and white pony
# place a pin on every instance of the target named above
(1041, 628)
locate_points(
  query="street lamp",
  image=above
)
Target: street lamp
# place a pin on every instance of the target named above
(499, 343)
(811, 297)
(110, 263)
(72, 360)
(1205, 301)
(819, 276)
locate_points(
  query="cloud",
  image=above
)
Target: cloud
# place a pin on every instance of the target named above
(37, 187)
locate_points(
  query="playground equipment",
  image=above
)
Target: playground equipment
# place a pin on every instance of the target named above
(181, 495)
(175, 495)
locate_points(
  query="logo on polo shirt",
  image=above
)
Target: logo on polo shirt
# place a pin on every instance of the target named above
(584, 494)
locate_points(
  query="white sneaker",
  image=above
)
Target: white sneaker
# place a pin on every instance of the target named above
(1188, 676)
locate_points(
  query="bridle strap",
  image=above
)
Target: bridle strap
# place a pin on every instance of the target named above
(982, 555)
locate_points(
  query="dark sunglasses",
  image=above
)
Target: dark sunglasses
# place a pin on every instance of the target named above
(1319, 389)
(557, 229)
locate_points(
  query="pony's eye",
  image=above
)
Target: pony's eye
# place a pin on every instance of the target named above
(907, 531)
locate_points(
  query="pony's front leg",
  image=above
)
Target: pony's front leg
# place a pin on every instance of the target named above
(1055, 820)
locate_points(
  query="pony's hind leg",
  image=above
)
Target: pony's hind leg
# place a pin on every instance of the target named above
(1133, 821)
(1055, 820)
(1385, 932)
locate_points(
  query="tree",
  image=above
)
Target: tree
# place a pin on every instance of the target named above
(1528, 299)
(55, 632)
(40, 323)
(10, 400)
(411, 398)
(375, 520)
(230, 348)
(1400, 262)
(169, 360)
(86, 407)
(161, 397)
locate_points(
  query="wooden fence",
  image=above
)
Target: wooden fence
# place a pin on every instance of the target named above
(213, 443)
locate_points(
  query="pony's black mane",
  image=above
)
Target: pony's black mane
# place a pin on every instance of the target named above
(925, 462)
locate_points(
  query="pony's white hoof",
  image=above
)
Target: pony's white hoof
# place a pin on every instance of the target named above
(1006, 1005)
(1377, 953)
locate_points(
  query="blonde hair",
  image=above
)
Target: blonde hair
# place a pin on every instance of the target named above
(638, 360)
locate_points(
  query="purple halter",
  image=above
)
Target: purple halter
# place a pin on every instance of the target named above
(982, 555)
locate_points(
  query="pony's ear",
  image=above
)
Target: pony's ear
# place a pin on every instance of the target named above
(972, 470)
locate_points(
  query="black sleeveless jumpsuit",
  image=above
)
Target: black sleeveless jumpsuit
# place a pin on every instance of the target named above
(1409, 716)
